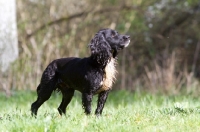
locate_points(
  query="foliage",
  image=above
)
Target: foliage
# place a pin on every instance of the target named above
(52, 29)
(124, 111)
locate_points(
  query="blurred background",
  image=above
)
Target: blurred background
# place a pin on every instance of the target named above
(163, 56)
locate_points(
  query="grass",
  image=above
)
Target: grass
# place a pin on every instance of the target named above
(124, 112)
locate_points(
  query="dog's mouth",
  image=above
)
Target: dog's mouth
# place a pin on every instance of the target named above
(115, 50)
(126, 43)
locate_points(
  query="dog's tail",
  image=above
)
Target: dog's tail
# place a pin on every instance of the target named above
(49, 78)
(38, 89)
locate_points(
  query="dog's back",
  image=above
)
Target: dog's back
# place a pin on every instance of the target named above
(72, 71)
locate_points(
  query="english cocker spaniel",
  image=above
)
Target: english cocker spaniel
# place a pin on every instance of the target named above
(91, 75)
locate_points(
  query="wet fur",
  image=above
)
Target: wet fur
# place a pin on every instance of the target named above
(91, 75)
(109, 76)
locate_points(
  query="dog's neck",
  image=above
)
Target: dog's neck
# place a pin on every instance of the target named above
(110, 73)
(101, 59)
(109, 76)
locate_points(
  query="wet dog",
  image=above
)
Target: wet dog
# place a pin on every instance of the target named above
(91, 75)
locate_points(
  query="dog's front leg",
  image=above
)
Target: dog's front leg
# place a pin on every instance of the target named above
(101, 101)
(86, 101)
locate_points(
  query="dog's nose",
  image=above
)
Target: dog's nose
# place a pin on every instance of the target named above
(126, 37)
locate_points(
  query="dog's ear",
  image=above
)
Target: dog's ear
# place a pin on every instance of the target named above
(100, 49)
(97, 41)
(102, 32)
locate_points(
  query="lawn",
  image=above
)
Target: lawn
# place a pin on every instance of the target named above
(124, 112)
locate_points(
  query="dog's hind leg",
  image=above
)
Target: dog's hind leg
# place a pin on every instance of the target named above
(44, 93)
(67, 96)
(47, 85)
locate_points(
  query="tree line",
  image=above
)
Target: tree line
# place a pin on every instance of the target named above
(164, 54)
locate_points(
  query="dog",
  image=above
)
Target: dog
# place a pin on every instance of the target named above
(91, 75)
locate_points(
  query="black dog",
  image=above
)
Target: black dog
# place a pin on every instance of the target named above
(91, 75)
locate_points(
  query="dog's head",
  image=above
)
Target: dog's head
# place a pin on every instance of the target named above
(108, 40)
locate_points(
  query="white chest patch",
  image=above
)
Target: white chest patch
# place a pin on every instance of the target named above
(109, 77)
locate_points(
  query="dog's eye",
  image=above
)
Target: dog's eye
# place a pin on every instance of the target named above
(113, 35)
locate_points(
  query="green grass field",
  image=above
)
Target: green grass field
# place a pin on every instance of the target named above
(124, 112)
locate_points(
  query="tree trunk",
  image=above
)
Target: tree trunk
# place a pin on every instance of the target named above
(8, 33)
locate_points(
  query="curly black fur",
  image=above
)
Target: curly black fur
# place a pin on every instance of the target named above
(91, 75)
